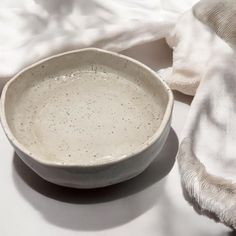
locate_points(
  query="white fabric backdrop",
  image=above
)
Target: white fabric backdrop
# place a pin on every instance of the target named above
(34, 29)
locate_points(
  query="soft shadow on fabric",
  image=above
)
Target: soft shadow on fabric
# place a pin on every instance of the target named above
(81, 209)
(232, 233)
(3, 81)
(183, 98)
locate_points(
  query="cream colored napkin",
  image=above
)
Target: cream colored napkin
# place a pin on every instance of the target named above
(203, 42)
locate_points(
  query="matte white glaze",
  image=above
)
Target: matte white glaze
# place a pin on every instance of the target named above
(85, 118)
(85, 109)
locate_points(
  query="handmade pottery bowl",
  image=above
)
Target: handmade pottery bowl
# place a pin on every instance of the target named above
(87, 118)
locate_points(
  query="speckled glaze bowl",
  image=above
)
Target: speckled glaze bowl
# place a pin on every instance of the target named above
(87, 118)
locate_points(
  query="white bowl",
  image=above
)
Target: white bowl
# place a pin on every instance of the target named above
(87, 118)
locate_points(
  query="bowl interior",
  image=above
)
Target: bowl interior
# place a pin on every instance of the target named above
(84, 108)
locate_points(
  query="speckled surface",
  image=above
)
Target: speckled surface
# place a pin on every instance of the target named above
(83, 112)
(85, 117)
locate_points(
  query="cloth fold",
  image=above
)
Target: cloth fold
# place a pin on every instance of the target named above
(203, 41)
(34, 29)
(204, 53)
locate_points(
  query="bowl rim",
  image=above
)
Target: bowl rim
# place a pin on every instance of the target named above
(141, 148)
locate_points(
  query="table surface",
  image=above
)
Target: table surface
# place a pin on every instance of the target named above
(150, 204)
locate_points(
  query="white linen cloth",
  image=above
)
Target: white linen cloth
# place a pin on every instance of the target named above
(31, 30)
(34, 29)
(207, 154)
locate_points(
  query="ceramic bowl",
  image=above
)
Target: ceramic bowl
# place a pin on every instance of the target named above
(87, 118)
